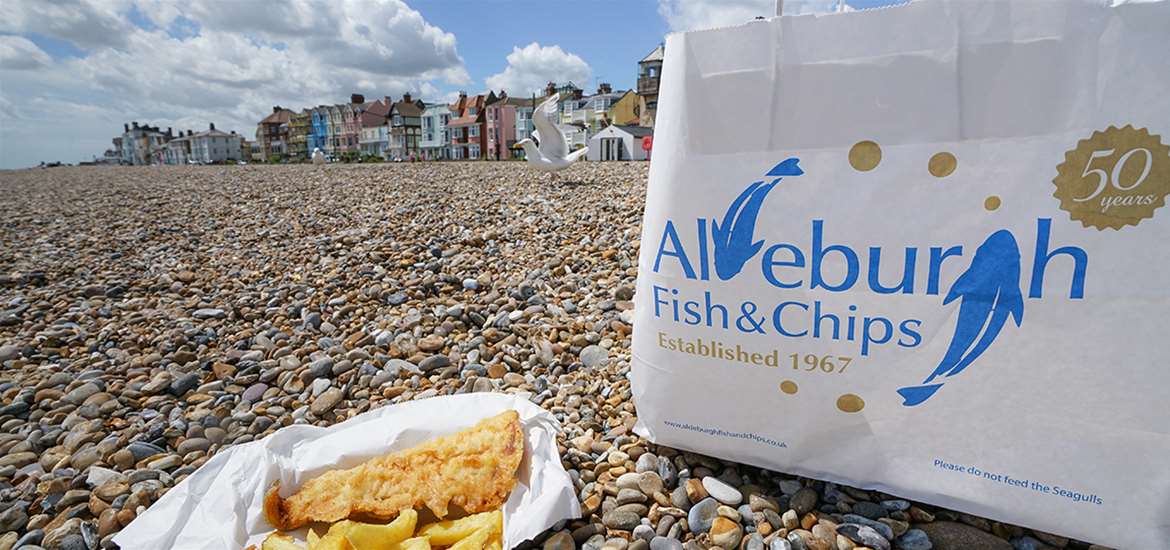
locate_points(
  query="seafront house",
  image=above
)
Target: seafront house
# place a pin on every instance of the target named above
(375, 130)
(213, 146)
(466, 127)
(333, 136)
(435, 141)
(299, 125)
(500, 124)
(319, 132)
(649, 74)
(349, 139)
(406, 128)
(143, 145)
(589, 115)
(272, 133)
(625, 111)
(179, 149)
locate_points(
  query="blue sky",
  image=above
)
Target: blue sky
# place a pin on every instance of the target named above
(612, 39)
(89, 66)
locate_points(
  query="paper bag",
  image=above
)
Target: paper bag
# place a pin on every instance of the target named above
(922, 250)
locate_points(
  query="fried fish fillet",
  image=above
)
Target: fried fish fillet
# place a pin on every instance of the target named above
(474, 469)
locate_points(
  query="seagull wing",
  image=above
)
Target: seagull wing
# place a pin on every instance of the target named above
(552, 139)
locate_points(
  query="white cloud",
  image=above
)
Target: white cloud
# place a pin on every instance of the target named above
(85, 23)
(234, 63)
(531, 67)
(689, 15)
(17, 53)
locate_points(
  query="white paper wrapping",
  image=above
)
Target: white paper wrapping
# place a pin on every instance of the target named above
(981, 110)
(220, 506)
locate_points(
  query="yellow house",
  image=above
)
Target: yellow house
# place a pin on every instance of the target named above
(626, 110)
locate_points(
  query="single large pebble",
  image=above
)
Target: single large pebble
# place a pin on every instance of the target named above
(702, 515)
(722, 492)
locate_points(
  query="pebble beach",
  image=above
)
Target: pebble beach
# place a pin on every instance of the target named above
(153, 316)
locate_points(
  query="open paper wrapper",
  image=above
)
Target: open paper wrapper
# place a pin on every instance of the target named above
(221, 505)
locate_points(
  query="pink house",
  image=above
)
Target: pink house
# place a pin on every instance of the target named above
(501, 127)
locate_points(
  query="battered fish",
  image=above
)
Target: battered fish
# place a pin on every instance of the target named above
(474, 469)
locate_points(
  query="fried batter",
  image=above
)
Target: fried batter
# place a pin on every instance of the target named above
(474, 469)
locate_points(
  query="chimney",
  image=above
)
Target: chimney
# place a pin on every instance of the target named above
(212, 125)
(503, 94)
(135, 123)
(406, 97)
(604, 88)
(386, 99)
(125, 127)
(190, 133)
(357, 98)
(550, 89)
(233, 132)
(276, 108)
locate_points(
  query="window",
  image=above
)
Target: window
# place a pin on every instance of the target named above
(474, 131)
(444, 118)
(491, 114)
(473, 153)
(471, 111)
(397, 120)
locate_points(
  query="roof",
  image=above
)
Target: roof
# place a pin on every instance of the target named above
(636, 131)
(655, 55)
(379, 107)
(407, 108)
(372, 120)
(472, 101)
(513, 101)
(213, 133)
(278, 117)
(463, 121)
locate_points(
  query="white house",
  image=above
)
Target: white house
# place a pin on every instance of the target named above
(618, 143)
(143, 145)
(179, 149)
(435, 139)
(215, 146)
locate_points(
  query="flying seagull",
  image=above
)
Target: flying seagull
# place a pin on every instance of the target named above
(553, 153)
(318, 156)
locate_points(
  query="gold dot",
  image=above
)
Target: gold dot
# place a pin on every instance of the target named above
(942, 164)
(992, 203)
(865, 156)
(850, 403)
(788, 387)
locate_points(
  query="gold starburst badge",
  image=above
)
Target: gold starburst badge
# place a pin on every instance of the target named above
(1116, 177)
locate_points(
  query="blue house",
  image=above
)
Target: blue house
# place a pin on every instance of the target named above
(320, 129)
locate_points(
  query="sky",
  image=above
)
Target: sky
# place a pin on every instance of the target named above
(72, 72)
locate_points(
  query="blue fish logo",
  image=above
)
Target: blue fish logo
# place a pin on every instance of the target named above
(989, 292)
(733, 237)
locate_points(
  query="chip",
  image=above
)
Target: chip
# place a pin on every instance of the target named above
(451, 531)
(369, 536)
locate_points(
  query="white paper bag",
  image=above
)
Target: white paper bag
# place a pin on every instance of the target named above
(220, 506)
(1014, 155)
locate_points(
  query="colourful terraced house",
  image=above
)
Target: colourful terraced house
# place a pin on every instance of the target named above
(319, 128)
